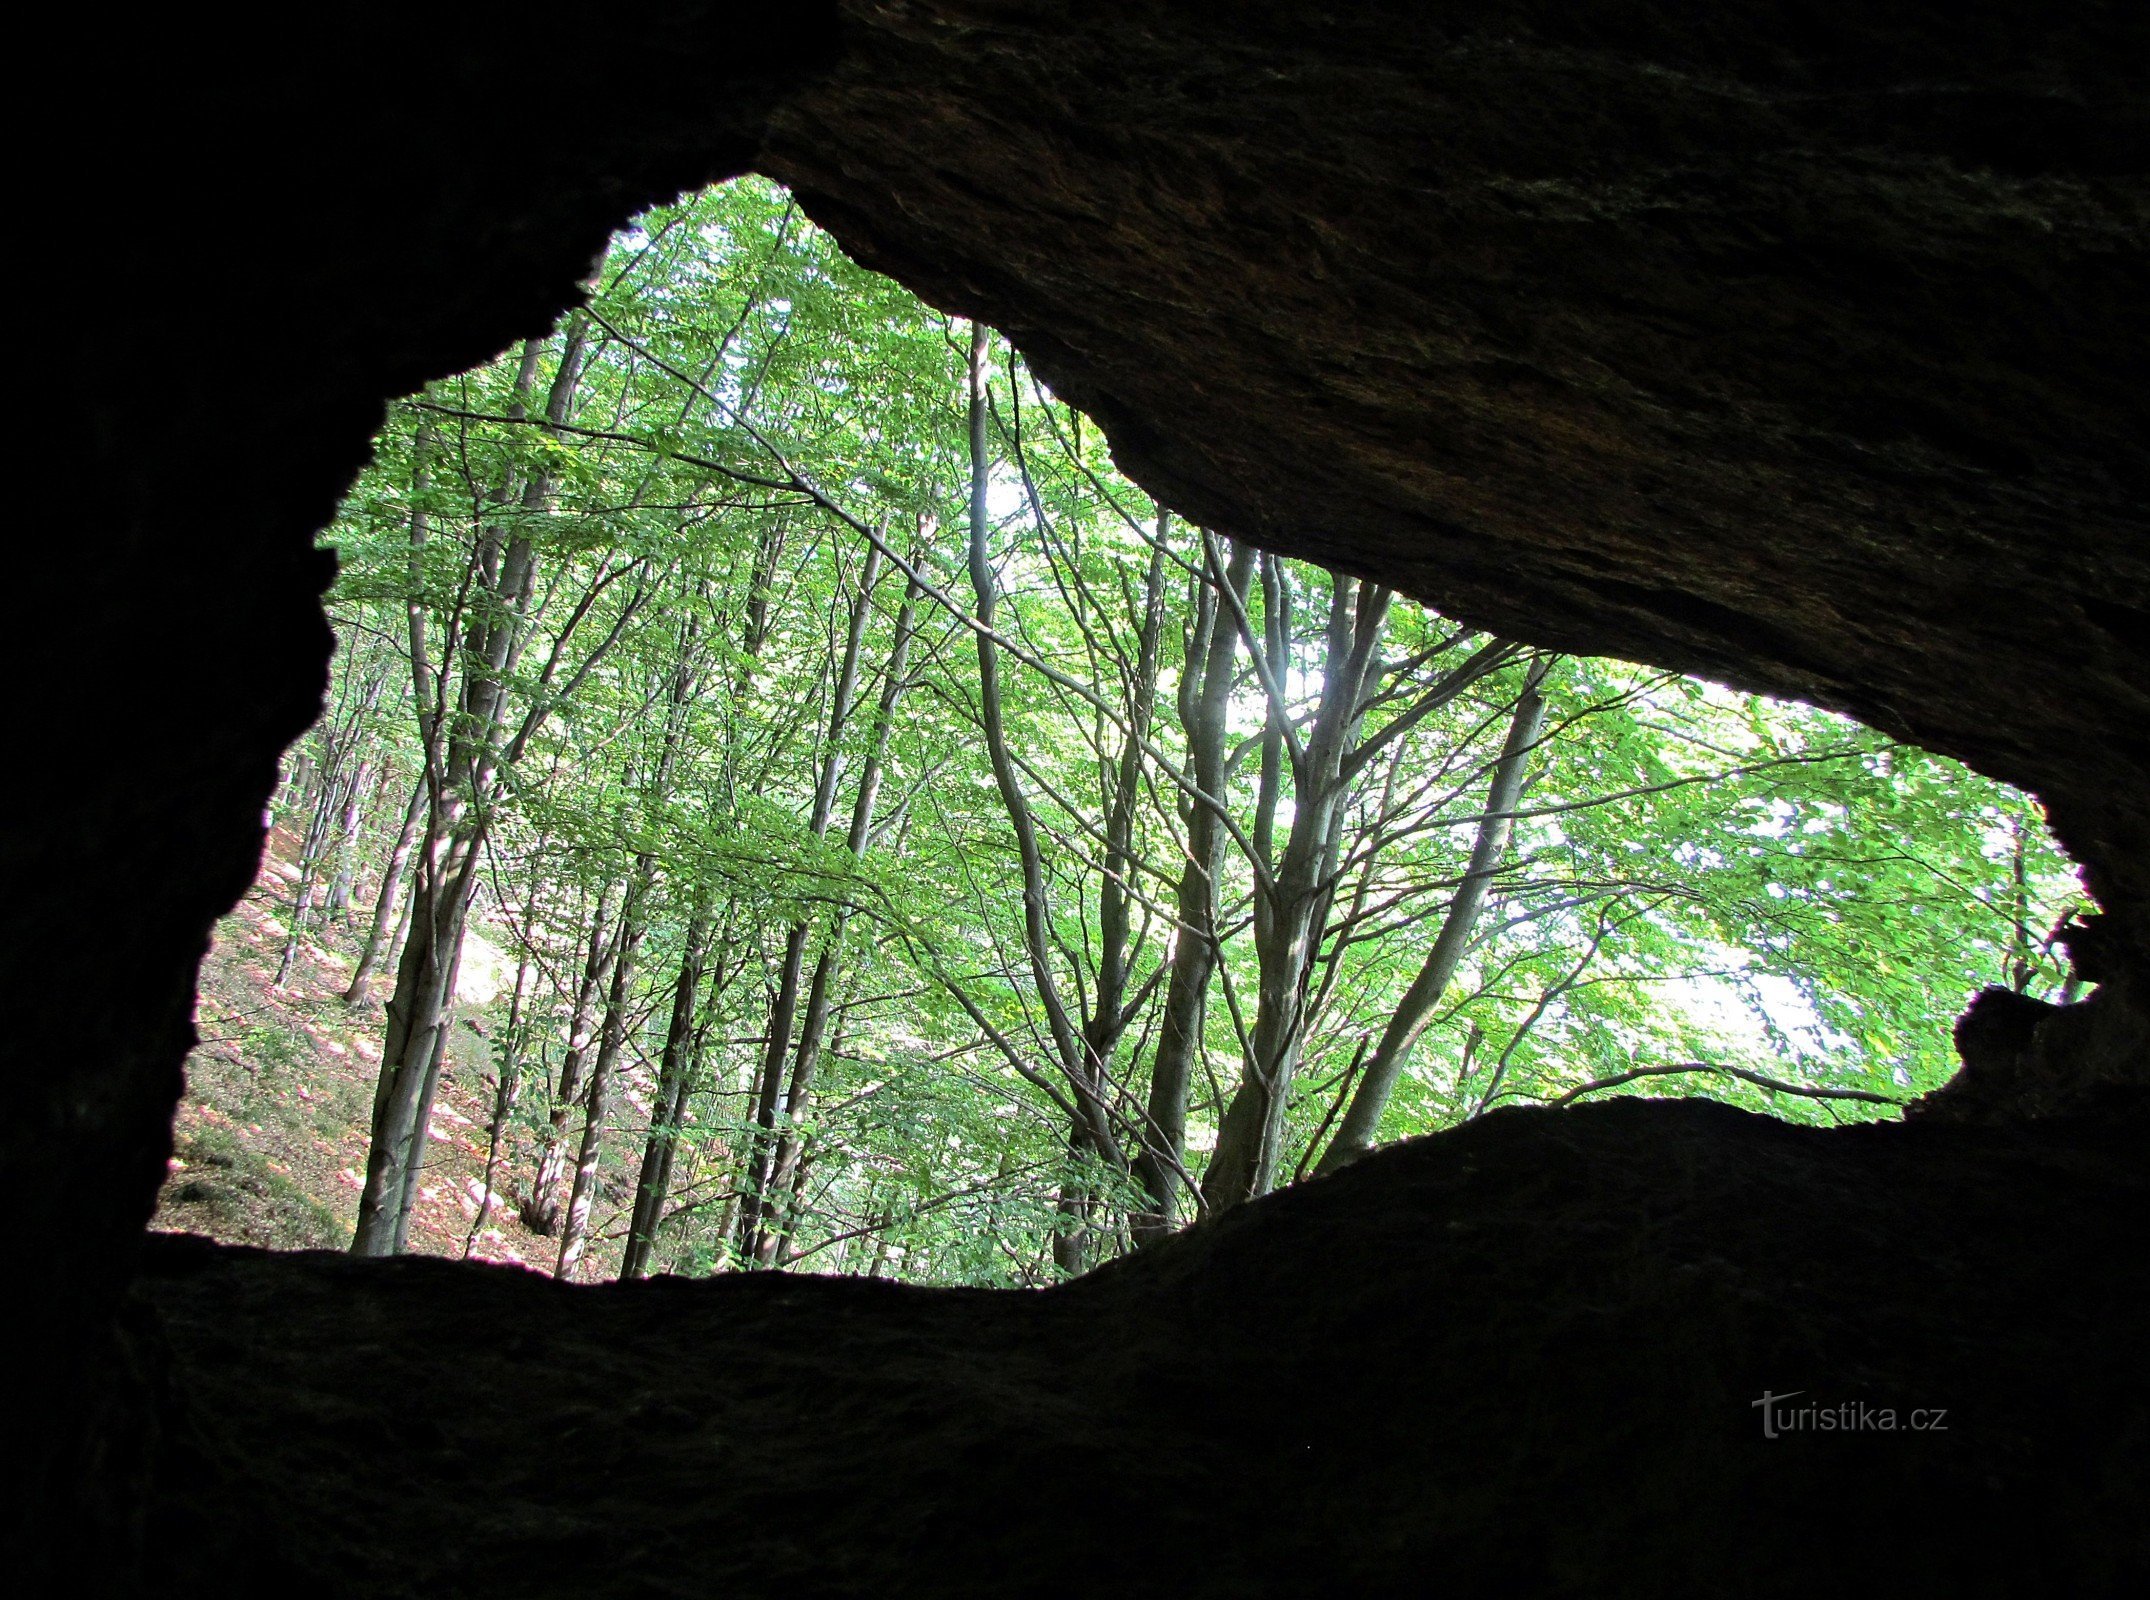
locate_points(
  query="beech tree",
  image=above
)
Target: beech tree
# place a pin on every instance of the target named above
(908, 849)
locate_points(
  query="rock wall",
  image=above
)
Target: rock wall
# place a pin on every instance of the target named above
(1798, 344)
(1522, 1358)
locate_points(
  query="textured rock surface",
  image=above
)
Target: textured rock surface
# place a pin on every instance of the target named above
(257, 255)
(1521, 1358)
(1800, 346)
(2022, 1058)
(1799, 343)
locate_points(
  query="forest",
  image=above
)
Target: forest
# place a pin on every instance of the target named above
(910, 851)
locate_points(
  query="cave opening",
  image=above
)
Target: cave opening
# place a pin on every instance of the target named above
(1796, 347)
(656, 742)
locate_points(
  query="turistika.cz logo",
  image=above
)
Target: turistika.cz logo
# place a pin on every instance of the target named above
(1846, 1416)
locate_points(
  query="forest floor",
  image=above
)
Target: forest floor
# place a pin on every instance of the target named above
(269, 1145)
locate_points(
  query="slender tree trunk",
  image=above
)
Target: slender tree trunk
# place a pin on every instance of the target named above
(795, 1185)
(1074, 1207)
(1109, 1012)
(463, 758)
(338, 801)
(297, 788)
(1089, 1106)
(669, 1108)
(769, 1090)
(2022, 964)
(335, 810)
(881, 1246)
(1291, 905)
(355, 812)
(597, 1103)
(384, 904)
(418, 1015)
(440, 906)
(422, 1123)
(1362, 1120)
(758, 1210)
(540, 1208)
(828, 965)
(1205, 696)
(634, 925)
(805, 1060)
(506, 1091)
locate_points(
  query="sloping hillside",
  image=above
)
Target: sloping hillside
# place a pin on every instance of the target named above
(270, 1141)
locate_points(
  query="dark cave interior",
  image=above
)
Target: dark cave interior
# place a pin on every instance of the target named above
(1798, 345)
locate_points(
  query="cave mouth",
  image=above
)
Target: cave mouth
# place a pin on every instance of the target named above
(681, 783)
(1635, 332)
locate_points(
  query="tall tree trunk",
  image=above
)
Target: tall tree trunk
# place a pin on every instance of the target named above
(418, 1017)
(805, 1059)
(597, 1098)
(540, 1208)
(1362, 1120)
(758, 1204)
(329, 829)
(769, 1089)
(1108, 1014)
(795, 1183)
(634, 925)
(675, 1078)
(385, 903)
(1087, 1105)
(310, 853)
(338, 905)
(1205, 697)
(422, 1121)
(463, 755)
(507, 1089)
(1075, 1204)
(1291, 899)
(828, 965)
(298, 785)
(344, 789)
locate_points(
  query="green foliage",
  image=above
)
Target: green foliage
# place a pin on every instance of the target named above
(1696, 875)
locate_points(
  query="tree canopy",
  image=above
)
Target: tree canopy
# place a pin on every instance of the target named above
(919, 853)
